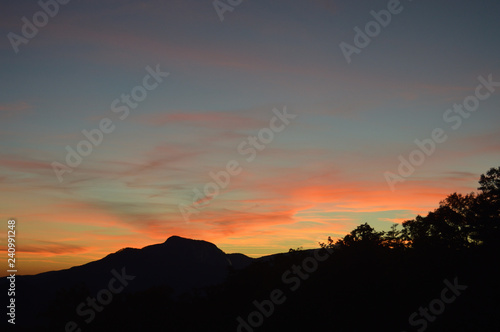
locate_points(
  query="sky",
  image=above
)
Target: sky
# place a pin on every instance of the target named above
(256, 125)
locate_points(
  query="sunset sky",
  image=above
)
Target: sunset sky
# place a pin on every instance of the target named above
(321, 174)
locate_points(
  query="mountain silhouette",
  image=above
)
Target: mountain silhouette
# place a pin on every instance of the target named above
(181, 264)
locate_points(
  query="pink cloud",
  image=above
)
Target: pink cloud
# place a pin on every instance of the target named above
(23, 165)
(212, 119)
(8, 111)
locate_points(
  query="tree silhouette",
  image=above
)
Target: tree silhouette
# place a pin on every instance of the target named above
(490, 183)
(393, 239)
(486, 228)
(460, 221)
(363, 236)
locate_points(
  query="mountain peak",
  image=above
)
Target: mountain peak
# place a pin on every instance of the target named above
(176, 238)
(177, 241)
(182, 244)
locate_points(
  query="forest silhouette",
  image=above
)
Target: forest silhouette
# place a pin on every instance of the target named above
(366, 281)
